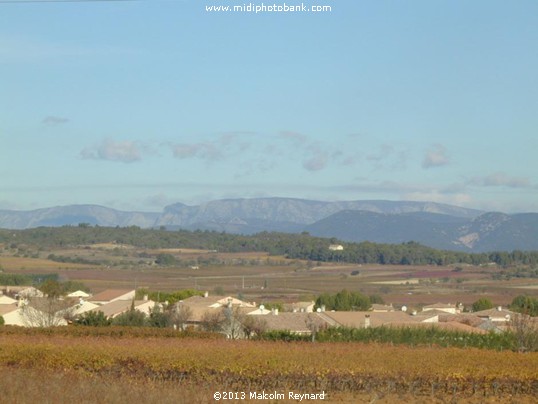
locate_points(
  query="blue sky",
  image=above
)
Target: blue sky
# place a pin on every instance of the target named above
(139, 104)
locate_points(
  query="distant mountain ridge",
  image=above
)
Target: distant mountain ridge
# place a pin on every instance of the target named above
(73, 215)
(433, 224)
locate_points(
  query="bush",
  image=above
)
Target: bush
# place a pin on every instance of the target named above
(131, 318)
(94, 319)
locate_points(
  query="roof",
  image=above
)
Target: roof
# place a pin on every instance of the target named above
(6, 300)
(299, 306)
(494, 313)
(431, 313)
(120, 306)
(464, 318)
(294, 322)
(78, 293)
(110, 294)
(440, 306)
(381, 307)
(355, 319)
(7, 308)
(199, 305)
(85, 306)
(215, 301)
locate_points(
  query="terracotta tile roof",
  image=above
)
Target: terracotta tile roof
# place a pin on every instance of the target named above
(109, 294)
(294, 322)
(494, 313)
(200, 305)
(464, 318)
(382, 307)
(119, 306)
(356, 318)
(440, 306)
(7, 308)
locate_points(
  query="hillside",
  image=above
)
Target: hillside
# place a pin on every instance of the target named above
(487, 232)
(432, 224)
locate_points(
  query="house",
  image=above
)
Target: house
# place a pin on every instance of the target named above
(296, 323)
(79, 293)
(24, 292)
(430, 316)
(117, 307)
(366, 319)
(300, 307)
(260, 311)
(46, 312)
(199, 306)
(7, 300)
(465, 318)
(83, 306)
(381, 308)
(496, 315)
(11, 314)
(446, 308)
(111, 295)
(336, 247)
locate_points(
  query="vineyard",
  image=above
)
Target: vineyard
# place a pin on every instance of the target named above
(203, 365)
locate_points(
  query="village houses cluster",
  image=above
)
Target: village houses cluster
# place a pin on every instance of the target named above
(298, 318)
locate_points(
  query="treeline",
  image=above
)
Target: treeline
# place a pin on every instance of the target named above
(346, 301)
(295, 246)
(26, 279)
(411, 336)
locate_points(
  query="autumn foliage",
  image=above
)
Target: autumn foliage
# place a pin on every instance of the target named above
(256, 365)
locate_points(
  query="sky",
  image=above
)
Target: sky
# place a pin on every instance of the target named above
(136, 105)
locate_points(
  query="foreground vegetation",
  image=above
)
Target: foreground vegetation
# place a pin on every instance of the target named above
(337, 368)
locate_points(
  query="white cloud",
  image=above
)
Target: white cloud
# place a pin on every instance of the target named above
(204, 151)
(316, 162)
(436, 156)
(123, 151)
(500, 179)
(54, 120)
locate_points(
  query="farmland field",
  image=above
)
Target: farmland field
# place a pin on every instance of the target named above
(192, 369)
(258, 276)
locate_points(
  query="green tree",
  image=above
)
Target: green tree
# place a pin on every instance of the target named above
(93, 319)
(165, 260)
(2, 321)
(526, 305)
(344, 301)
(131, 318)
(158, 317)
(482, 304)
(52, 288)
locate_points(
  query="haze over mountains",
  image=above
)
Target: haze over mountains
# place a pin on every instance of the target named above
(432, 224)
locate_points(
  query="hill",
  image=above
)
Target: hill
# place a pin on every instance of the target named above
(432, 224)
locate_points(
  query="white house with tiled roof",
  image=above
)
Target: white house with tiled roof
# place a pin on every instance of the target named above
(443, 307)
(496, 315)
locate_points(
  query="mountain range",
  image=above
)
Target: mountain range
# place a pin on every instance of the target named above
(433, 224)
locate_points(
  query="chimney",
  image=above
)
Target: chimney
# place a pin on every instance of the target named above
(146, 297)
(206, 294)
(367, 321)
(499, 308)
(322, 307)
